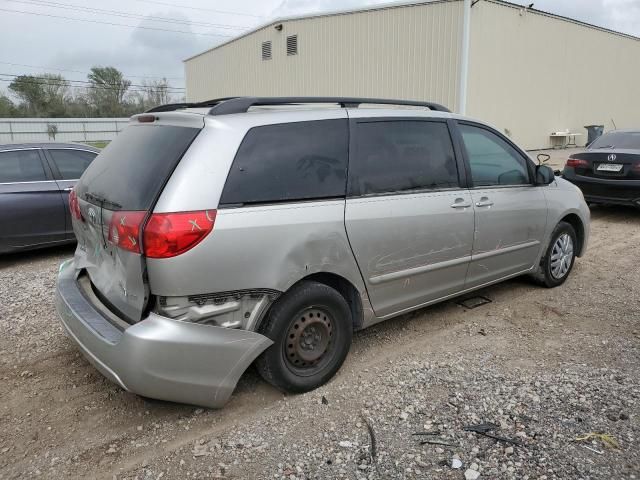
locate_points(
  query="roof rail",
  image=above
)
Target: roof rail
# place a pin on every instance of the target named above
(242, 104)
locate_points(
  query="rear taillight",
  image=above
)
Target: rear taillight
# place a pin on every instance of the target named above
(577, 163)
(74, 206)
(124, 230)
(169, 234)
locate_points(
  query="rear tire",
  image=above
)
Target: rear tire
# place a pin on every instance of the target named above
(557, 262)
(311, 328)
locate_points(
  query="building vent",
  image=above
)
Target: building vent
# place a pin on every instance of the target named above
(266, 50)
(292, 45)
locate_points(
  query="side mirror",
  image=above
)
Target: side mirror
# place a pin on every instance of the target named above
(543, 158)
(544, 175)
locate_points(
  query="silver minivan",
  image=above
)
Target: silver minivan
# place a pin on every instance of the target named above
(217, 234)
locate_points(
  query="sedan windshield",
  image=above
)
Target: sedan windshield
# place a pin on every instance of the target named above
(624, 140)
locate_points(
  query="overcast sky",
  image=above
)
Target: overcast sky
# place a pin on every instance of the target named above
(146, 49)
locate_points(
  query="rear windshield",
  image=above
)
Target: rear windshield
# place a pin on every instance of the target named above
(624, 140)
(133, 168)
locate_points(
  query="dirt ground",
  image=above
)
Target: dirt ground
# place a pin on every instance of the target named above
(546, 366)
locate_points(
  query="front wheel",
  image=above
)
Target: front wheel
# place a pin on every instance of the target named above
(557, 262)
(311, 328)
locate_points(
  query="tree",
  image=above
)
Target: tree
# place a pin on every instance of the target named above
(153, 94)
(107, 91)
(42, 95)
(7, 108)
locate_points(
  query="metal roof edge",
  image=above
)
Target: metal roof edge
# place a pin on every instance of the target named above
(331, 13)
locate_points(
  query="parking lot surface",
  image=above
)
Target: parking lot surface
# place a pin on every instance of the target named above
(547, 367)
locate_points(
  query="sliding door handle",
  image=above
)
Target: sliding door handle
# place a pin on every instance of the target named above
(460, 203)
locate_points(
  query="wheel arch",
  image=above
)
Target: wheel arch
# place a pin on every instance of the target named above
(576, 222)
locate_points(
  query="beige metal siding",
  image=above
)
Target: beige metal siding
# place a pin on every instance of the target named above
(407, 52)
(533, 74)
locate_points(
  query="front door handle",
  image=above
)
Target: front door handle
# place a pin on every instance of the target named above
(460, 203)
(484, 202)
(68, 189)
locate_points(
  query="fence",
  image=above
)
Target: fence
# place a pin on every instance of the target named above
(83, 130)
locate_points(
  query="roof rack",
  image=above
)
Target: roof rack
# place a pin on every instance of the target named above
(242, 104)
(229, 105)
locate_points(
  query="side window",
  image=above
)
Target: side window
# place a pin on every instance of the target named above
(71, 163)
(493, 161)
(288, 162)
(21, 166)
(397, 156)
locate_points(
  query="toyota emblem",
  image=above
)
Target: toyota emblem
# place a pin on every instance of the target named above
(92, 216)
(612, 157)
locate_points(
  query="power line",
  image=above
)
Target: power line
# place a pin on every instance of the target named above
(129, 90)
(119, 13)
(90, 85)
(167, 4)
(117, 24)
(77, 81)
(40, 67)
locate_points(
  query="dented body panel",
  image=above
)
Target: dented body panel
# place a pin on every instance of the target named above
(158, 357)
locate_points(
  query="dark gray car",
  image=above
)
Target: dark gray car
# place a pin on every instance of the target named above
(35, 180)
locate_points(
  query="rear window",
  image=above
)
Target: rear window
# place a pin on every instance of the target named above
(134, 167)
(289, 162)
(623, 140)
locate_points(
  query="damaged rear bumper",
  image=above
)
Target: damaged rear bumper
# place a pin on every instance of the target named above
(158, 357)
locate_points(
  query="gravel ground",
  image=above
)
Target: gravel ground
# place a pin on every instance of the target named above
(545, 367)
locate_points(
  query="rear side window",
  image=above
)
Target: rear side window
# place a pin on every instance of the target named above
(134, 167)
(400, 156)
(21, 166)
(71, 163)
(289, 162)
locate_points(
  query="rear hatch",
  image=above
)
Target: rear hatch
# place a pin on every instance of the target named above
(607, 164)
(113, 199)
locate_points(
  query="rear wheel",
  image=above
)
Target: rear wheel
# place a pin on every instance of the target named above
(311, 328)
(557, 262)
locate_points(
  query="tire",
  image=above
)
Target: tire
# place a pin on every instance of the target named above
(551, 274)
(311, 328)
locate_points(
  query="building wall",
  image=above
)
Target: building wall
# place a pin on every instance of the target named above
(406, 52)
(533, 74)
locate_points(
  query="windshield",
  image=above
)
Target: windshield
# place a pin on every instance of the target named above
(130, 172)
(624, 140)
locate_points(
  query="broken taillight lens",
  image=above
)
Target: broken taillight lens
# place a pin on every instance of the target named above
(74, 206)
(124, 230)
(169, 234)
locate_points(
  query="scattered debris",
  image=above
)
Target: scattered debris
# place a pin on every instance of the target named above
(606, 439)
(372, 436)
(324, 400)
(456, 463)
(484, 429)
(482, 332)
(599, 452)
(470, 474)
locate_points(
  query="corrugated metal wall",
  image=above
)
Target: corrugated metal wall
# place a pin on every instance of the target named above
(533, 74)
(407, 52)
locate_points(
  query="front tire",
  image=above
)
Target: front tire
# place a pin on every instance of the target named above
(311, 328)
(557, 262)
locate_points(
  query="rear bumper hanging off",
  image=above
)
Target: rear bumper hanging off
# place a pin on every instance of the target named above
(158, 357)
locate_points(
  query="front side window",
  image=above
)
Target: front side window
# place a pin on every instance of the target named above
(493, 161)
(289, 162)
(401, 156)
(71, 163)
(21, 166)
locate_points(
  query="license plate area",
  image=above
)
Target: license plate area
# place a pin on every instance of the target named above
(610, 167)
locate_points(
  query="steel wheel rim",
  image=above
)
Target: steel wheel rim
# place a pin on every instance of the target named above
(561, 256)
(309, 342)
